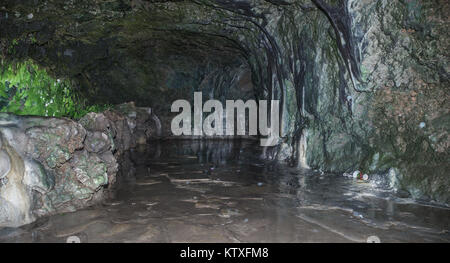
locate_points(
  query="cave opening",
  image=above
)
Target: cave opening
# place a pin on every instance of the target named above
(88, 151)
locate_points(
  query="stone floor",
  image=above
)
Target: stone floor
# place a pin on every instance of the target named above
(219, 191)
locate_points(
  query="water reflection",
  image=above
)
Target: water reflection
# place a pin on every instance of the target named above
(221, 191)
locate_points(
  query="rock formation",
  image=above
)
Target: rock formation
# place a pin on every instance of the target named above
(53, 165)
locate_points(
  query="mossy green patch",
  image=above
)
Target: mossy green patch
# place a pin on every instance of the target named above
(26, 89)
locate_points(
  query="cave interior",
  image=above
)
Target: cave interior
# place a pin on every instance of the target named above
(87, 147)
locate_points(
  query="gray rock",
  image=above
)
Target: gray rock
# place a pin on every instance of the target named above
(97, 142)
(53, 165)
(5, 164)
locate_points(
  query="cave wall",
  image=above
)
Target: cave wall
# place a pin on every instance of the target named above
(366, 82)
(394, 108)
(363, 84)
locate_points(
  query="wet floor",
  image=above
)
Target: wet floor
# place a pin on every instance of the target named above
(220, 191)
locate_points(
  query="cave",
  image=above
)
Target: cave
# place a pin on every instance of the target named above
(230, 121)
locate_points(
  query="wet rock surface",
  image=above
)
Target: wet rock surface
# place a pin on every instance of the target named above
(218, 191)
(51, 165)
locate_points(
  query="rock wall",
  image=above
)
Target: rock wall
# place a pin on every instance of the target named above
(364, 85)
(382, 103)
(51, 165)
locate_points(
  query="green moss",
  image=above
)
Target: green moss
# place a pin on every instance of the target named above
(26, 89)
